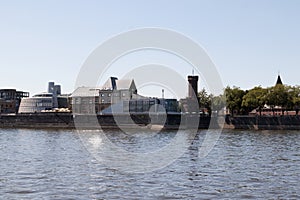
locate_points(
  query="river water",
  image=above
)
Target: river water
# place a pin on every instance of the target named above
(56, 164)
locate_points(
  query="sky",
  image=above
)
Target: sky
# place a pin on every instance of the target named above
(250, 42)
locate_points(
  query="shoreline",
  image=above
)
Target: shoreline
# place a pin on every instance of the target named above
(174, 121)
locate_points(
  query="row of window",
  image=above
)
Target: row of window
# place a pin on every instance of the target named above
(13, 95)
(89, 101)
(115, 94)
(108, 94)
(6, 105)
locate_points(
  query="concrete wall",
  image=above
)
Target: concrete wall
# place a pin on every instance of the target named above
(264, 122)
(66, 120)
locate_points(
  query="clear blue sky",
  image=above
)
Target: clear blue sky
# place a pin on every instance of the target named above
(249, 41)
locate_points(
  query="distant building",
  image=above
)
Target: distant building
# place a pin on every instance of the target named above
(85, 100)
(10, 100)
(268, 111)
(151, 105)
(52, 100)
(88, 100)
(191, 103)
(117, 96)
(37, 103)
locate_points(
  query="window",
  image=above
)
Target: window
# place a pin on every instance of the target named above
(77, 100)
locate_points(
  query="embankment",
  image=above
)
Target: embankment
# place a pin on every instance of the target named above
(264, 122)
(67, 120)
(170, 121)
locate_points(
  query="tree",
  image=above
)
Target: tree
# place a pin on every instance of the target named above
(296, 102)
(234, 98)
(204, 99)
(255, 98)
(218, 102)
(295, 96)
(279, 96)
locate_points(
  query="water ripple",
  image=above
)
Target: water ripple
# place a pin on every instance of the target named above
(37, 164)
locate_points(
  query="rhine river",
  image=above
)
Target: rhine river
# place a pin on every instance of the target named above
(52, 164)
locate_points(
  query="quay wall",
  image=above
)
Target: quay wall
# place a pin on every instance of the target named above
(37, 120)
(286, 122)
(67, 120)
(172, 121)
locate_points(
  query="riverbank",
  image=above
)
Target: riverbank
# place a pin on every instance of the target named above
(286, 122)
(116, 121)
(143, 120)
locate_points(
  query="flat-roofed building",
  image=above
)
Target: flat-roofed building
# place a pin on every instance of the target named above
(11, 99)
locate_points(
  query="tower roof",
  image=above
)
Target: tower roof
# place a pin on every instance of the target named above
(279, 80)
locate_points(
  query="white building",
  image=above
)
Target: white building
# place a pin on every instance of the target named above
(37, 103)
(44, 101)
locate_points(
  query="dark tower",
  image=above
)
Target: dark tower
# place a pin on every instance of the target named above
(113, 82)
(278, 80)
(193, 86)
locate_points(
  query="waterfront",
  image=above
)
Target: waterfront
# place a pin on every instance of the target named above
(49, 164)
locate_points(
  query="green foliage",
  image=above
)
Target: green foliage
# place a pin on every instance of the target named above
(204, 99)
(255, 98)
(218, 102)
(234, 98)
(294, 95)
(239, 101)
(277, 96)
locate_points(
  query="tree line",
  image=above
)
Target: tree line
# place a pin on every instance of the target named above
(241, 102)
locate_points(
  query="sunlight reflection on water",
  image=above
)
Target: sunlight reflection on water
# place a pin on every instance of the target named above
(37, 164)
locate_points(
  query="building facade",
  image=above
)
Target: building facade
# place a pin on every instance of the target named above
(37, 103)
(118, 96)
(49, 101)
(10, 100)
(91, 100)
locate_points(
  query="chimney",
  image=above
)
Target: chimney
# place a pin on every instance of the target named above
(113, 82)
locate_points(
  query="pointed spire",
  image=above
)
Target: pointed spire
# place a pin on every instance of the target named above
(279, 80)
